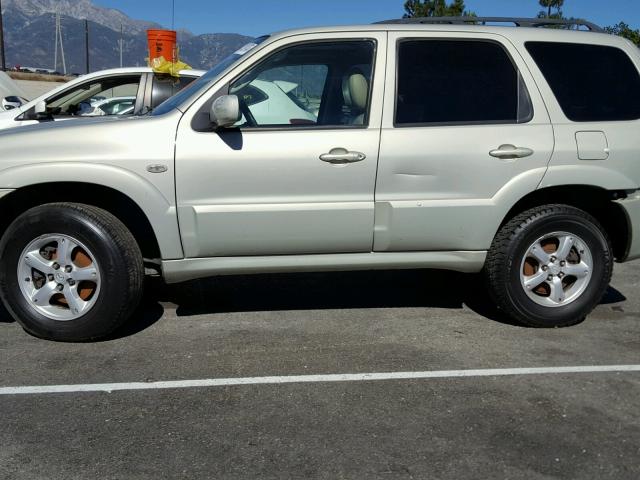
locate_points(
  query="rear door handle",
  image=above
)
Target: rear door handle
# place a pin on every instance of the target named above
(511, 151)
(342, 155)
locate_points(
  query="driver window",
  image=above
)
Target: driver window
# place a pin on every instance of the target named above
(321, 84)
(100, 97)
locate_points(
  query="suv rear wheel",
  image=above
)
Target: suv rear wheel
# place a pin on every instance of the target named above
(70, 272)
(549, 266)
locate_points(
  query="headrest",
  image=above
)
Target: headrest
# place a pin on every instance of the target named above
(355, 89)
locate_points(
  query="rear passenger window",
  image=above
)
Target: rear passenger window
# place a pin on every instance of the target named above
(591, 82)
(458, 82)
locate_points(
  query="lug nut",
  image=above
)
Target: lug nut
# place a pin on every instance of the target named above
(68, 269)
(563, 263)
(560, 275)
(72, 282)
(60, 287)
(50, 277)
(545, 268)
(553, 259)
(550, 277)
(56, 266)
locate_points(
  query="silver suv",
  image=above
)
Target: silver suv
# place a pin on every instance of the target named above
(411, 144)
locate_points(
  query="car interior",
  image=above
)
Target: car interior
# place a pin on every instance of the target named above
(332, 81)
(81, 100)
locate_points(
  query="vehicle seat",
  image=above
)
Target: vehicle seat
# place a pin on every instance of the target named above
(355, 90)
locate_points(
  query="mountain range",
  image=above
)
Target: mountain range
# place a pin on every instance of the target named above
(29, 30)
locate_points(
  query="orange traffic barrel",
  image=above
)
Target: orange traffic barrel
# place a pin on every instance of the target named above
(162, 43)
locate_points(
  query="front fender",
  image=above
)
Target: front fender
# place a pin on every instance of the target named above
(160, 211)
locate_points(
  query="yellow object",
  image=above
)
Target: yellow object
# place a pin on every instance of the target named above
(161, 65)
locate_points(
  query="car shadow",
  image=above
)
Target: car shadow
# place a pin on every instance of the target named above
(612, 296)
(317, 291)
(320, 291)
(4, 315)
(338, 290)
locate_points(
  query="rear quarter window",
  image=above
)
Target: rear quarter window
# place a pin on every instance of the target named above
(592, 83)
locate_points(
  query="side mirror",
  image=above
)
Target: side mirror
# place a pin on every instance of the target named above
(225, 111)
(40, 107)
(11, 102)
(39, 112)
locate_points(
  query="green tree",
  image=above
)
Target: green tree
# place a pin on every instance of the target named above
(435, 8)
(550, 5)
(624, 30)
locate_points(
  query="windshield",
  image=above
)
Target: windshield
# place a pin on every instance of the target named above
(175, 101)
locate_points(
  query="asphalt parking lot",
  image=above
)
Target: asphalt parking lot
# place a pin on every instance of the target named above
(542, 425)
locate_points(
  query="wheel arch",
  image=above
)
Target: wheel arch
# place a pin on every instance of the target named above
(114, 201)
(597, 201)
(156, 200)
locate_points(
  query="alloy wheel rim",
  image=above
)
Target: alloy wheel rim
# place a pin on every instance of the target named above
(59, 277)
(556, 269)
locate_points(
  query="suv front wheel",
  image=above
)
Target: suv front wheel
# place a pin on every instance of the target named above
(70, 272)
(549, 266)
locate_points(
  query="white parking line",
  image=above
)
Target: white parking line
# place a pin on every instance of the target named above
(343, 377)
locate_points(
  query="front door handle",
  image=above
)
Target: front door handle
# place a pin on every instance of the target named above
(508, 152)
(342, 155)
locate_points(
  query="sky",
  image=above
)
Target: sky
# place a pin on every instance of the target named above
(257, 17)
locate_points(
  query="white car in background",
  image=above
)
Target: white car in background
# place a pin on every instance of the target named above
(11, 95)
(108, 106)
(276, 103)
(84, 96)
(11, 102)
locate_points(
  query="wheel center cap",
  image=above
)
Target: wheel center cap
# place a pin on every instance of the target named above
(59, 277)
(554, 268)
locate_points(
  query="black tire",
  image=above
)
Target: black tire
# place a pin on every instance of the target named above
(115, 250)
(503, 264)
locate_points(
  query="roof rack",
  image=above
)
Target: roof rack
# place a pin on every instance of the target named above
(573, 24)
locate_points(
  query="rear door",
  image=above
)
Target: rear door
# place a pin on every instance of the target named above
(465, 132)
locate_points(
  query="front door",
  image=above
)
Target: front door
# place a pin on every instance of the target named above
(297, 173)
